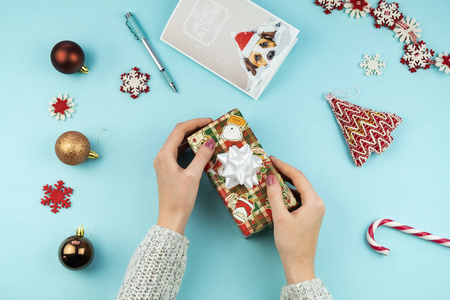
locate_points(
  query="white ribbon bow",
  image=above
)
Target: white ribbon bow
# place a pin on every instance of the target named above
(239, 166)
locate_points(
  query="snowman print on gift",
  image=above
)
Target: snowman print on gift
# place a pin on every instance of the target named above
(231, 132)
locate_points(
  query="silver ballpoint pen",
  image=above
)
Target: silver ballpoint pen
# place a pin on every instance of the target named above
(136, 30)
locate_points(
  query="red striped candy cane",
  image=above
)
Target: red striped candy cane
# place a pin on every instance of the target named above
(403, 228)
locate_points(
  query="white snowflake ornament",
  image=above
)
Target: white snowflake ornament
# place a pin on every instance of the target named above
(386, 14)
(443, 62)
(61, 107)
(417, 56)
(329, 5)
(135, 83)
(407, 30)
(372, 65)
(357, 8)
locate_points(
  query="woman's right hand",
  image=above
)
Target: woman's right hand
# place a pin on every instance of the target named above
(296, 232)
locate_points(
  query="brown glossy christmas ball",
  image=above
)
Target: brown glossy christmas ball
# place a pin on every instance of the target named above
(76, 252)
(67, 57)
(73, 148)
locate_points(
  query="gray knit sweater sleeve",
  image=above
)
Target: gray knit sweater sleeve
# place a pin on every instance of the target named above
(157, 267)
(307, 290)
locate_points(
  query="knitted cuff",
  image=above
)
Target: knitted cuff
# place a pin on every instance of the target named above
(306, 290)
(157, 267)
(169, 237)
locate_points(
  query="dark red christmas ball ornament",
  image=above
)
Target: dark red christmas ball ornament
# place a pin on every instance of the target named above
(67, 57)
(76, 252)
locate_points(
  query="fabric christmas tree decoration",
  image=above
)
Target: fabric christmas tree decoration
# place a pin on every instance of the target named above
(238, 169)
(364, 130)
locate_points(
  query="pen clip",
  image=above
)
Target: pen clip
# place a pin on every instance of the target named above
(134, 26)
(135, 36)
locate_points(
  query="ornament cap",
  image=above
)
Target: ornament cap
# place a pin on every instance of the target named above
(84, 69)
(80, 231)
(93, 155)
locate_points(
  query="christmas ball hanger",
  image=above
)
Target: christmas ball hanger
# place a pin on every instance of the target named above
(73, 147)
(417, 55)
(76, 252)
(67, 57)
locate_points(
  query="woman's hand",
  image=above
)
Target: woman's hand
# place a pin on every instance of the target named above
(296, 233)
(178, 187)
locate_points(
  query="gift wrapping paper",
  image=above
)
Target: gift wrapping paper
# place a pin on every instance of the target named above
(250, 208)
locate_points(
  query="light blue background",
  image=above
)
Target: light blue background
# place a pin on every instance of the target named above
(115, 197)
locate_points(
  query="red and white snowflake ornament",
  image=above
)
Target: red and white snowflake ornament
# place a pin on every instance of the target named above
(417, 56)
(372, 64)
(407, 30)
(61, 107)
(443, 62)
(386, 14)
(357, 8)
(329, 5)
(57, 197)
(135, 83)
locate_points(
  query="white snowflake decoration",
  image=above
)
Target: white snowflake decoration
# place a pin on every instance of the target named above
(386, 14)
(372, 65)
(357, 8)
(417, 56)
(329, 5)
(61, 107)
(134, 83)
(407, 30)
(443, 62)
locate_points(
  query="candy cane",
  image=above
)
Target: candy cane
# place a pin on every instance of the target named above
(403, 228)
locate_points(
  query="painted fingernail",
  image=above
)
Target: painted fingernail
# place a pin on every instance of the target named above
(271, 179)
(211, 144)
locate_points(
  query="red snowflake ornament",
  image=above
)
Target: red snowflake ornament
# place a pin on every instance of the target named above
(386, 15)
(56, 197)
(365, 130)
(329, 5)
(134, 83)
(417, 56)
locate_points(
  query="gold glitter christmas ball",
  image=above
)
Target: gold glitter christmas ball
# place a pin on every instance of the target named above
(73, 148)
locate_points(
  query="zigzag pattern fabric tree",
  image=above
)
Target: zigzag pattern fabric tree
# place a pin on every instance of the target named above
(365, 130)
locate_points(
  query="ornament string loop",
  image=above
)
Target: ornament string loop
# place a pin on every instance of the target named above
(343, 94)
(94, 152)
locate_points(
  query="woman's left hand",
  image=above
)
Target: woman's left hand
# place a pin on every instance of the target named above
(178, 187)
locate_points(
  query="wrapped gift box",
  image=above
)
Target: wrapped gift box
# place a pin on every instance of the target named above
(247, 203)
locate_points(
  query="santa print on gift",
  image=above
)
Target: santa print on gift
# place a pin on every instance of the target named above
(241, 208)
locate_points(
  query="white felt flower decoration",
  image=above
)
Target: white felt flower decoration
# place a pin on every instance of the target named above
(61, 107)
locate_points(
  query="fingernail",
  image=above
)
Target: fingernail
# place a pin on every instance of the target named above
(271, 179)
(211, 144)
